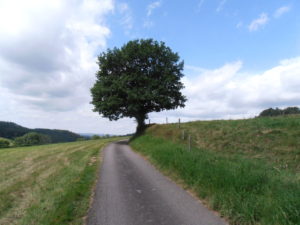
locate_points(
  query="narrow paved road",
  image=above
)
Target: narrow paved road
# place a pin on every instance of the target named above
(130, 191)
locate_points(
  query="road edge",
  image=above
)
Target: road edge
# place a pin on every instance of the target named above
(174, 178)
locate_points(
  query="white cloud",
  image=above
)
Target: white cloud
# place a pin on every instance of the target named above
(221, 5)
(153, 6)
(239, 25)
(262, 20)
(226, 92)
(48, 51)
(126, 17)
(282, 10)
(199, 5)
(148, 23)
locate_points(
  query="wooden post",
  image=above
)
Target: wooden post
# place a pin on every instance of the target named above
(182, 136)
(179, 123)
(189, 142)
(149, 121)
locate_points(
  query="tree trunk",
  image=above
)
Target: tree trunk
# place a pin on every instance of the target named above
(141, 126)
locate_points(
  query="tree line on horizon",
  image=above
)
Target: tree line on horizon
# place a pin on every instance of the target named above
(279, 112)
(14, 135)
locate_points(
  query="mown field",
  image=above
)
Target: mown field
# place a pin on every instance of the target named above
(247, 170)
(48, 184)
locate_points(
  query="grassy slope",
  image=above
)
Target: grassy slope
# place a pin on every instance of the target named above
(49, 184)
(248, 170)
(275, 140)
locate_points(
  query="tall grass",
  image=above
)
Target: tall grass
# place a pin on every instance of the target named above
(275, 139)
(49, 184)
(244, 190)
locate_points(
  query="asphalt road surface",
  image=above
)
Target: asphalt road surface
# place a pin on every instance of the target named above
(130, 191)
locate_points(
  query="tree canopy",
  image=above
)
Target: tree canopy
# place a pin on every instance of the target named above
(142, 76)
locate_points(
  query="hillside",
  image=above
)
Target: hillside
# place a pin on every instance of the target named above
(12, 130)
(274, 139)
(58, 135)
(247, 170)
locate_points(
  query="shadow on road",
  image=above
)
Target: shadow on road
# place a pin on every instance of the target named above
(123, 142)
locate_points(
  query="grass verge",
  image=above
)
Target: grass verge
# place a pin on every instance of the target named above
(49, 184)
(244, 190)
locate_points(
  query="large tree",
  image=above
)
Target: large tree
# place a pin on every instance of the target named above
(142, 76)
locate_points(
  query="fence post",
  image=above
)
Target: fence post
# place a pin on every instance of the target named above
(189, 142)
(182, 136)
(179, 123)
(166, 120)
(149, 121)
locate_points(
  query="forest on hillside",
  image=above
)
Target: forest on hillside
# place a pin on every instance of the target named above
(12, 130)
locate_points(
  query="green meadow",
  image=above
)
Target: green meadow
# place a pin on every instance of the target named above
(48, 184)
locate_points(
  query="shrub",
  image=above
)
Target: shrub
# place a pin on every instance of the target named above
(95, 137)
(81, 139)
(4, 143)
(32, 138)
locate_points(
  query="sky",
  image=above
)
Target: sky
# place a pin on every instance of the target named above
(240, 57)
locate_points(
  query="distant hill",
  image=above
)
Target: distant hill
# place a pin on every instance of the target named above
(12, 130)
(90, 134)
(59, 135)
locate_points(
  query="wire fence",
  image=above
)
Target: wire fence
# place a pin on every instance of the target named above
(186, 136)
